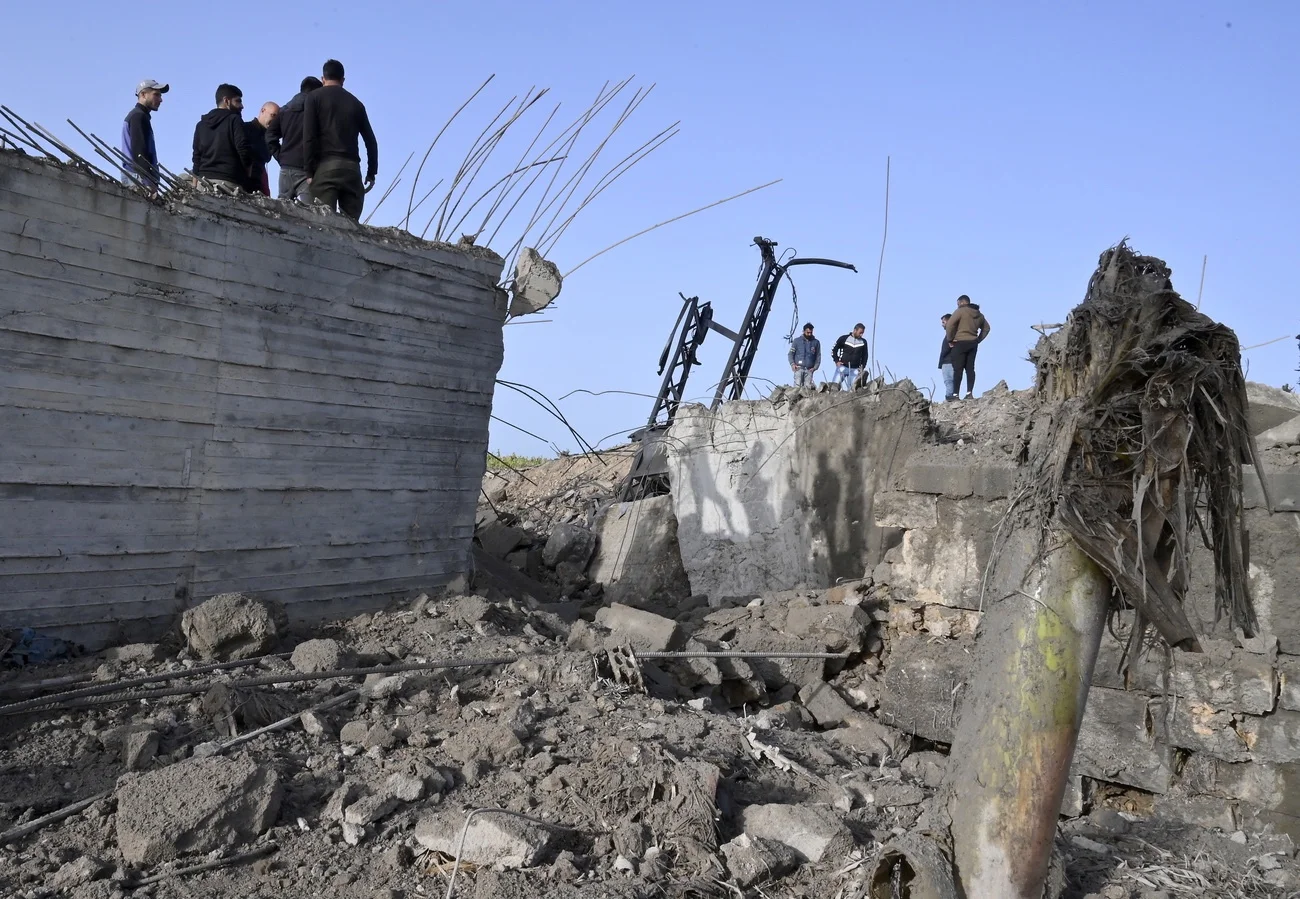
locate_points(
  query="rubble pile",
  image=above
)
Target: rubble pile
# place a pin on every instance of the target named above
(567, 489)
(575, 767)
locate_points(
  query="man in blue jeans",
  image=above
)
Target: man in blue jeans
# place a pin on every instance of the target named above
(805, 357)
(945, 356)
(850, 357)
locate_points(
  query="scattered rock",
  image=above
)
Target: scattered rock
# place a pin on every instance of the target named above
(195, 805)
(135, 654)
(369, 809)
(825, 704)
(315, 656)
(79, 872)
(139, 749)
(232, 626)
(644, 630)
(813, 833)
(569, 543)
(753, 860)
(492, 839)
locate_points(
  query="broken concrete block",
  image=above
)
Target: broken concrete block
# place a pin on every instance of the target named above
(369, 809)
(232, 626)
(887, 793)
(1288, 670)
(80, 871)
(637, 554)
(406, 787)
(865, 735)
(1198, 727)
(344, 795)
(379, 736)
(354, 732)
(499, 539)
(1115, 744)
(1203, 812)
(923, 686)
(195, 805)
(1274, 738)
(824, 703)
(536, 284)
(841, 628)
(644, 630)
(569, 543)
(849, 593)
(504, 841)
(493, 743)
(927, 767)
(753, 860)
(315, 724)
(135, 654)
(905, 510)
(813, 833)
(315, 656)
(139, 749)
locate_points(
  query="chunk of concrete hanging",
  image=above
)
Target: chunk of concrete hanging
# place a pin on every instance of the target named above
(537, 283)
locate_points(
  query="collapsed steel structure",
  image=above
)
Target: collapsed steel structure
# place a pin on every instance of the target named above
(649, 473)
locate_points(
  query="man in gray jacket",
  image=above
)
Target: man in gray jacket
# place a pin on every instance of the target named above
(805, 357)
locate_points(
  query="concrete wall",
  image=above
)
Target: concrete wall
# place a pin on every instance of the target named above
(776, 494)
(229, 395)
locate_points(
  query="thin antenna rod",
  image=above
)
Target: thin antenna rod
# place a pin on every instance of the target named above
(1204, 260)
(875, 313)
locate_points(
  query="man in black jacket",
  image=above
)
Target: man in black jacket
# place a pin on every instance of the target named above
(284, 139)
(945, 356)
(137, 135)
(255, 131)
(221, 153)
(333, 119)
(850, 356)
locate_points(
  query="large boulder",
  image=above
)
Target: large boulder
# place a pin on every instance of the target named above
(233, 626)
(194, 806)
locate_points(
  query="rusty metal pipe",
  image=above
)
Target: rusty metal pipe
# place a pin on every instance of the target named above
(1014, 743)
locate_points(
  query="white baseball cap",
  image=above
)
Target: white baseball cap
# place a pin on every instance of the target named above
(150, 85)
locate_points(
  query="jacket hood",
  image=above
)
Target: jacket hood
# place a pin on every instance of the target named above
(214, 119)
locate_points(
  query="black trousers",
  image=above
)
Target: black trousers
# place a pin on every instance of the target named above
(337, 184)
(962, 358)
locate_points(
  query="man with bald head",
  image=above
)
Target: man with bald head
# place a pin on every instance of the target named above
(255, 130)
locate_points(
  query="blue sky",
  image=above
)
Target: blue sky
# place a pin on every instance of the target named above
(1025, 138)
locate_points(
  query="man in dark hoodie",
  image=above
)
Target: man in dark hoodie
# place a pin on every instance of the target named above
(255, 131)
(284, 139)
(221, 153)
(137, 134)
(945, 356)
(333, 119)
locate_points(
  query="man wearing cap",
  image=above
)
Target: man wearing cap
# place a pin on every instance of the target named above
(137, 134)
(850, 356)
(805, 357)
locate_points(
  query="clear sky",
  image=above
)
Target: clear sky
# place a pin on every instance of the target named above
(1025, 138)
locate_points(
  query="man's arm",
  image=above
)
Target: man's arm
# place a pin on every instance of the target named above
(310, 140)
(372, 145)
(817, 354)
(273, 139)
(138, 141)
(985, 328)
(194, 164)
(837, 351)
(240, 140)
(951, 330)
(790, 355)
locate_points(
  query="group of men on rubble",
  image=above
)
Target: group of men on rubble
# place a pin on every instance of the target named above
(314, 138)
(963, 331)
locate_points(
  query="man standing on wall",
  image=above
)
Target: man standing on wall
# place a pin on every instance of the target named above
(284, 140)
(850, 356)
(221, 153)
(965, 331)
(333, 119)
(137, 134)
(805, 357)
(255, 131)
(945, 354)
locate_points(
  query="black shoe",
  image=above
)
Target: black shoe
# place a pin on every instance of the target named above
(949, 397)
(970, 396)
